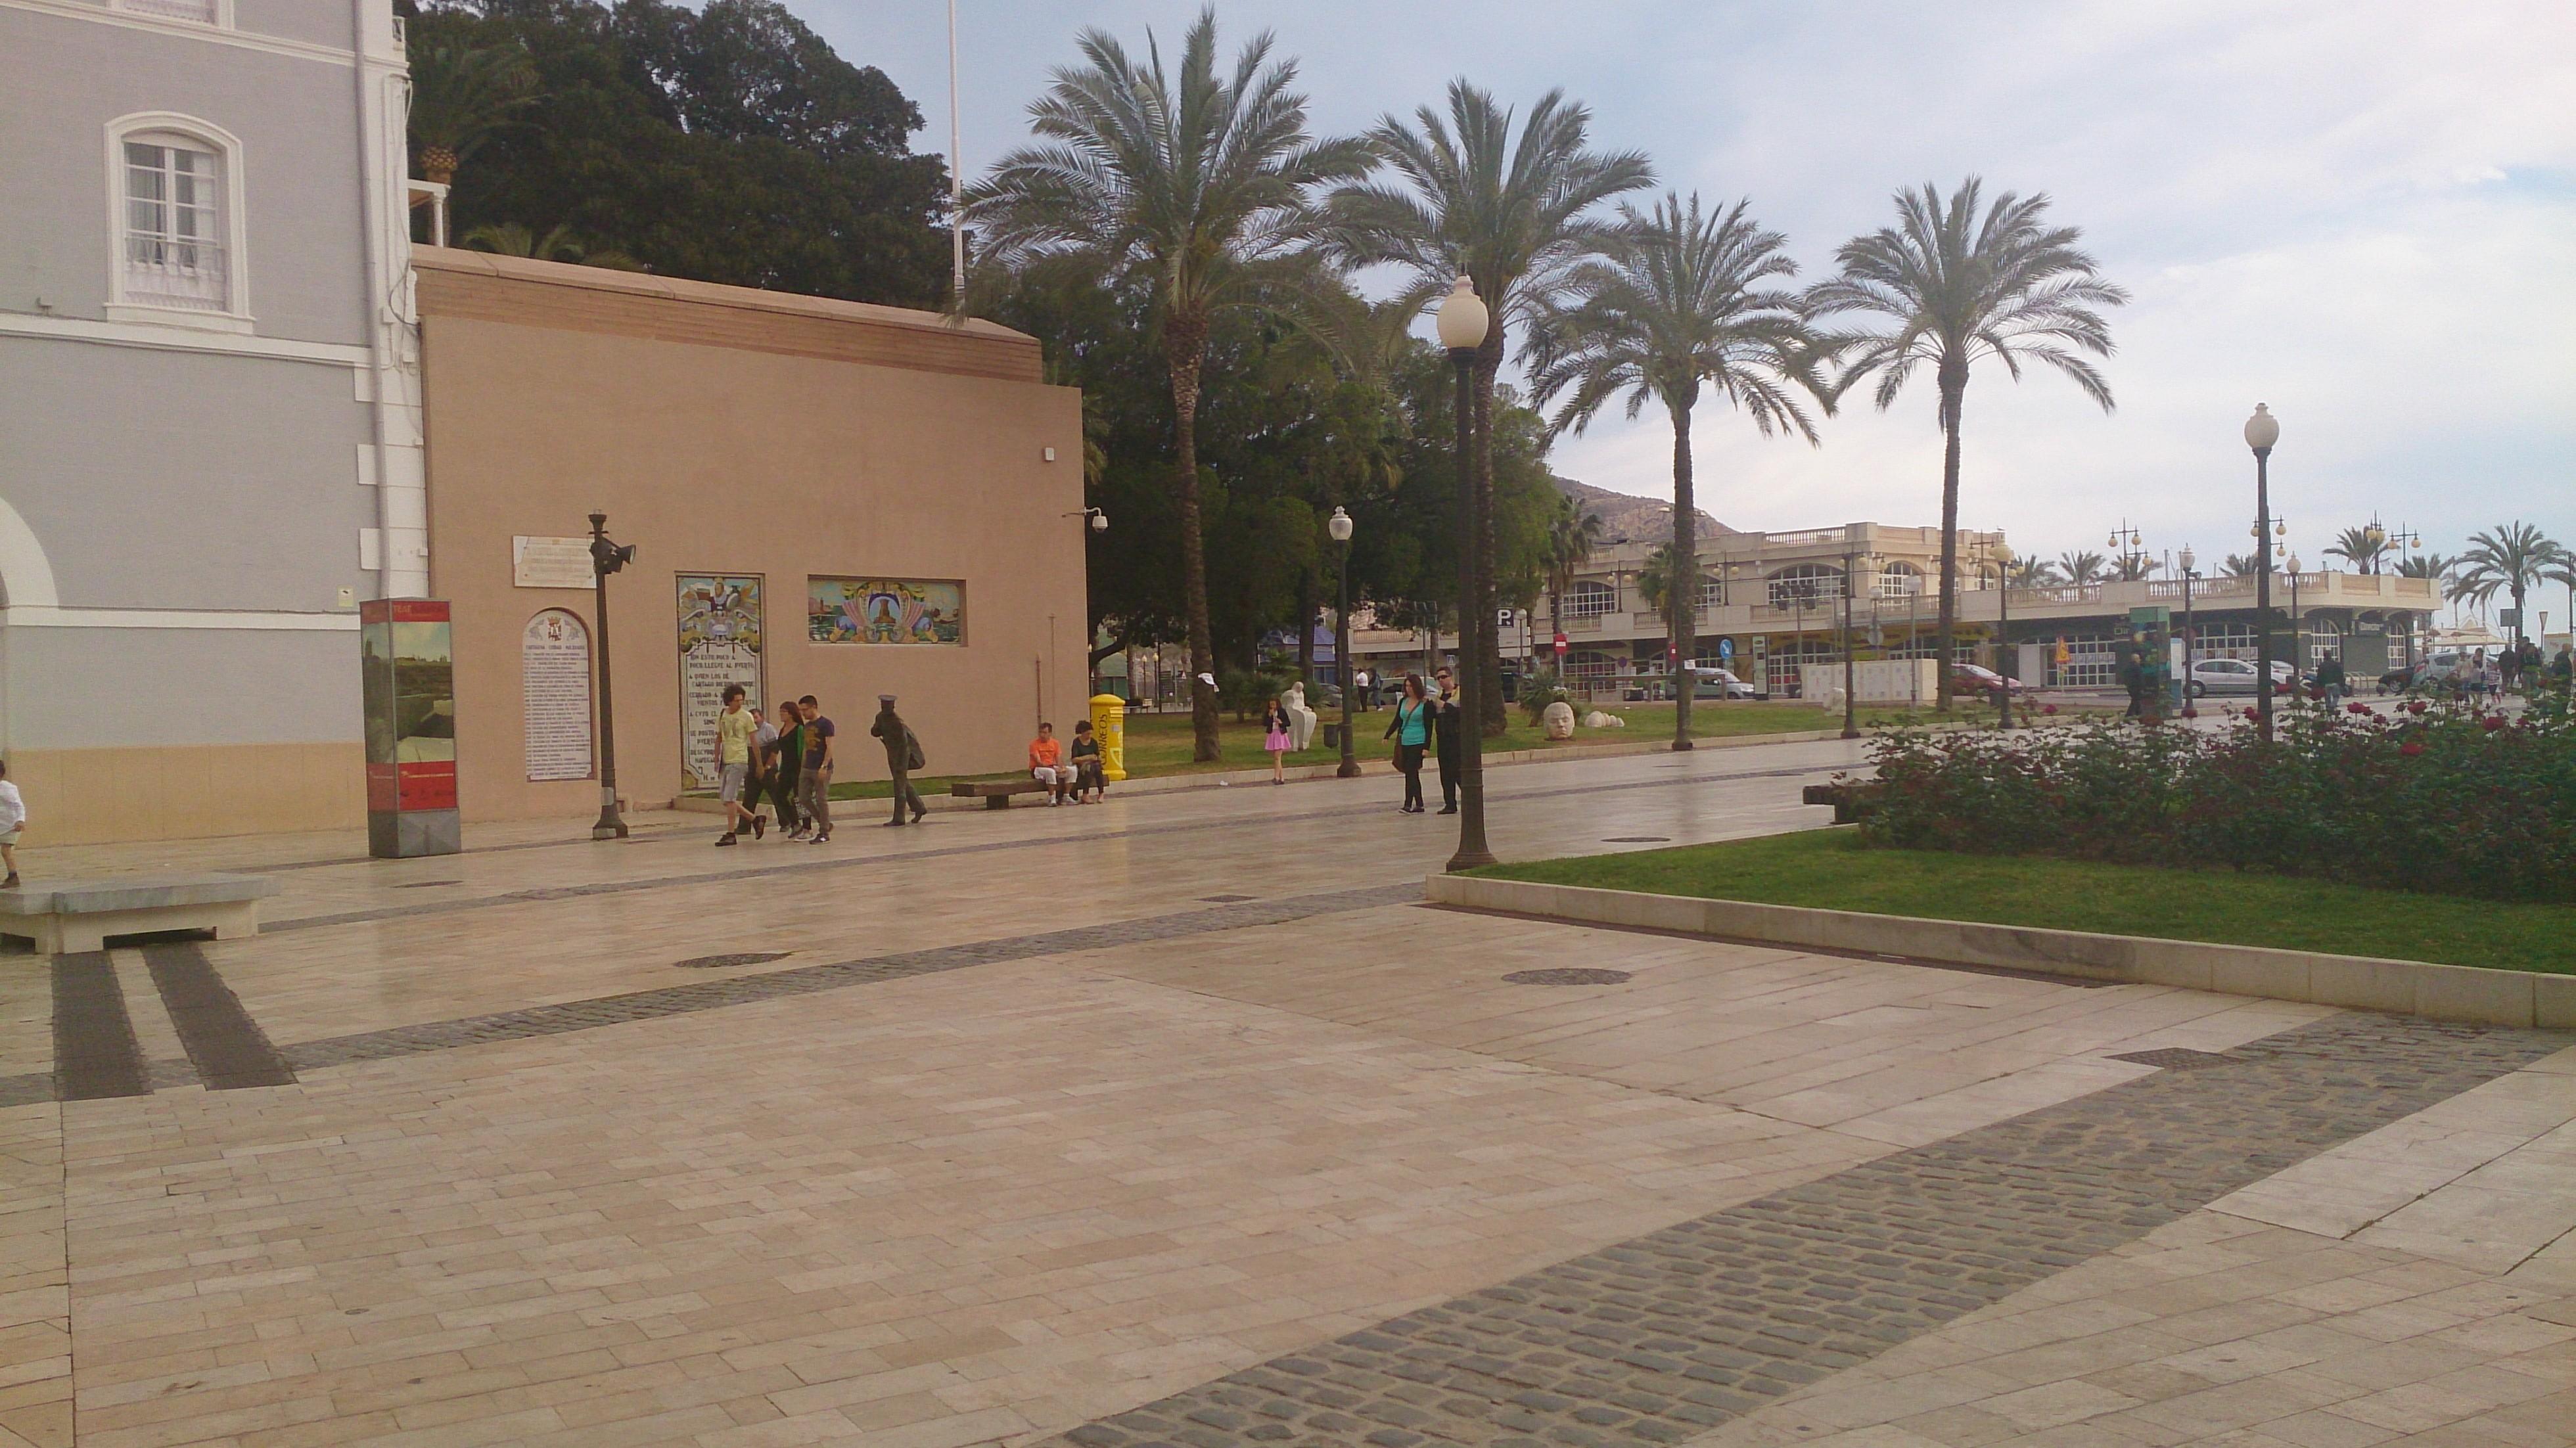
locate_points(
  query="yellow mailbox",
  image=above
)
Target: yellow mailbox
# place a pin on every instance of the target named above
(1109, 726)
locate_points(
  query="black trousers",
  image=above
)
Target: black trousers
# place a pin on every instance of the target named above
(905, 796)
(1408, 758)
(1449, 764)
(782, 793)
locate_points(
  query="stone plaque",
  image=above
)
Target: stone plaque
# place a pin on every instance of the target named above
(554, 674)
(720, 644)
(551, 563)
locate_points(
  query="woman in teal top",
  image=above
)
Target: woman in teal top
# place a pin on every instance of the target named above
(1411, 731)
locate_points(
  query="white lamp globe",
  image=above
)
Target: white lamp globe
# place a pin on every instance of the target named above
(1339, 525)
(1461, 320)
(2262, 429)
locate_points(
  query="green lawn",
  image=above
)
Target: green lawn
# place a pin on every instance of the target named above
(1161, 744)
(1829, 869)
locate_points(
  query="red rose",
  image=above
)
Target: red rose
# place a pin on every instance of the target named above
(2356, 707)
(2414, 706)
(2493, 722)
(2411, 748)
(2048, 708)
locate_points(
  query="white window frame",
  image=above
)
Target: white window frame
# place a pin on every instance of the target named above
(1591, 598)
(165, 127)
(221, 17)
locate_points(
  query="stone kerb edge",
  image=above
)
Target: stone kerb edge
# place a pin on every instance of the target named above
(2407, 987)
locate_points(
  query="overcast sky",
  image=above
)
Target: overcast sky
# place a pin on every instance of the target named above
(2360, 211)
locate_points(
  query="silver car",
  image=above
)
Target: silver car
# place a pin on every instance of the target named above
(2236, 676)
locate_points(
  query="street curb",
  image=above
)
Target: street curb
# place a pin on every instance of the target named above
(1301, 773)
(2404, 987)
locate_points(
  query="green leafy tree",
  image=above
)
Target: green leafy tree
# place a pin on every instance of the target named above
(1682, 303)
(2512, 559)
(1951, 284)
(1194, 184)
(725, 145)
(1516, 217)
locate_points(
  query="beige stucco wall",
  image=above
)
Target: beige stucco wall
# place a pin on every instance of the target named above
(551, 395)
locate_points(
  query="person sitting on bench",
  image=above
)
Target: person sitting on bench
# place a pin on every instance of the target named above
(1046, 764)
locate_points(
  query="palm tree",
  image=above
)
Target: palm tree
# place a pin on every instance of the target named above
(1514, 217)
(2240, 565)
(2360, 547)
(2514, 559)
(2427, 565)
(2033, 573)
(1573, 531)
(1948, 290)
(1656, 576)
(1196, 184)
(2133, 567)
(463, 95)
(2080, 568)
(509, 238)
(1680, 303)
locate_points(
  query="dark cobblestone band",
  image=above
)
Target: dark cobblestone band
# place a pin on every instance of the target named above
(706, 995)
(1668, 1335)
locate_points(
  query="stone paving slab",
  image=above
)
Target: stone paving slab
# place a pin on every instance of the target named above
(1677, 1332)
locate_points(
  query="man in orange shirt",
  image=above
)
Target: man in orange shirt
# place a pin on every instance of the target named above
(1046, 763)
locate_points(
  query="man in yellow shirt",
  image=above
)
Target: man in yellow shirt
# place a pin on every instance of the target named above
(734, 731)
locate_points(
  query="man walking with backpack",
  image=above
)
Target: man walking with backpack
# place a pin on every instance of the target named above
(903, 756)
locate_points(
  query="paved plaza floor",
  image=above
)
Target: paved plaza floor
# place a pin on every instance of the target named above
(1181, 1120)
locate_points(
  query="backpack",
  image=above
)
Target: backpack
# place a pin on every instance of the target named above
(912, 759)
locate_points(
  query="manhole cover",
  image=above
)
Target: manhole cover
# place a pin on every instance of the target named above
(1568, 975)
(1226, 899)
(425, 884)
(2176, 1058)
(748, 957)
(1638, 840)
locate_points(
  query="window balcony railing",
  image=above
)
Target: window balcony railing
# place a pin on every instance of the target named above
(162, 271)
(202, 11)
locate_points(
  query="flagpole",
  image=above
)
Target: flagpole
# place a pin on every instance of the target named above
(956, 175)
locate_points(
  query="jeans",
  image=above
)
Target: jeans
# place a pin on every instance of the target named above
(814, 791)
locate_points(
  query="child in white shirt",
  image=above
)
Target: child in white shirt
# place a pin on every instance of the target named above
(13, 821)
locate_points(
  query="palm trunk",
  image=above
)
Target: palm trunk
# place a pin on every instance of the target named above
(1954, 392)
(1682, 590)
(1487, 650)
(1185, 343)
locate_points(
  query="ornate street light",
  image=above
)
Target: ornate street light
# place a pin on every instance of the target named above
(2190, 635)
(1461, 323)
(606, 557)
(2262, 430)
(1339, 526)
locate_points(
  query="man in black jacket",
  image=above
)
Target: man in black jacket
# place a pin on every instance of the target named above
(1444, 739)
(903, 756)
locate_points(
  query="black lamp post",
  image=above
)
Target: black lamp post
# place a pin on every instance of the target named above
(2190, 633)
(1339, 526)
(1461, 323)
(1851, 703)
(606, 558)
(2003, 558)
(2262, 430)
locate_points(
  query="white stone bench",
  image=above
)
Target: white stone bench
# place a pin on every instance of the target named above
(80, 915)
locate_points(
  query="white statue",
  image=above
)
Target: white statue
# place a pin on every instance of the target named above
(1598, 720)
(1301, 720)
(1557, 720)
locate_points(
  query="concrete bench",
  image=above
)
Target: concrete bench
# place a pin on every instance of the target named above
(1850, 800)
(81, 914)
(996, 793)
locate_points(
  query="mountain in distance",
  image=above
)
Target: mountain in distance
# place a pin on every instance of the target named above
(1627, 518)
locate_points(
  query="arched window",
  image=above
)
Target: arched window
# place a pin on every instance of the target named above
(1805, 586)
(1588, 599)
(1712, 594)
(1898, 580)
(175, 193)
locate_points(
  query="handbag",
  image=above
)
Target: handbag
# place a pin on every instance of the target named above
(912, 759)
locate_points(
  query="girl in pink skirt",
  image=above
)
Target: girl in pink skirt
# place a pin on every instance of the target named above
(1274, 737)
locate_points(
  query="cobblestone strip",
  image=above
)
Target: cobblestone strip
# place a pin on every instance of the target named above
(541, 894)
(804, 980)
(1668, 1335)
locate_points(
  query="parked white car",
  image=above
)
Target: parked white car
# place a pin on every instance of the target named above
(2236, 676)
(1707, 683)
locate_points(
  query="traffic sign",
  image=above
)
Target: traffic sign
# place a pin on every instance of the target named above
(1560, 643)
(1725, 650)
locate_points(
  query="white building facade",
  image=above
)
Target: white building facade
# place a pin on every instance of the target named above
(209, 419)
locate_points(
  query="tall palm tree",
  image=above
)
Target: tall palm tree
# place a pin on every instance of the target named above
(2514, 559)
(1573, 531)
(2080, 568)
(2240, 565)
(1515, 217)
(1198, 184)
(462, 96)
(1679, 303)
(1658, 575)
(2427, 565)
(2363, 548)
(1948, 287)
(2133, 567)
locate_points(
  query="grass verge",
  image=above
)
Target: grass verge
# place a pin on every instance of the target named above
(1830, 869)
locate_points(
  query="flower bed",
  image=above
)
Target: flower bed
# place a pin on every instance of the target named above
(2415, 796)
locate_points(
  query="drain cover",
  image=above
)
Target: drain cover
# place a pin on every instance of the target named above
(2176, 1058)
(1568, 975)
(1638, 840)
(748, 957)
(1226, 899)
(425, 884)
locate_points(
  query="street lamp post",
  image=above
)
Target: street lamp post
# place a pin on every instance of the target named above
(1851, 706)
(1461, 324)
(2003, 635)
(2262, 430)
(606, 558)
(1339, 526)
(2298, 641)
(2190, 634)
